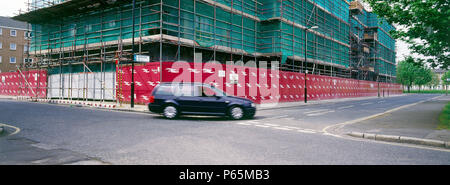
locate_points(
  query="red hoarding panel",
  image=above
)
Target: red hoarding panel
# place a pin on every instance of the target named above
(26, 83)
(258, 84)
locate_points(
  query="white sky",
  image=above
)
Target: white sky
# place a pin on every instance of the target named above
(11, 8)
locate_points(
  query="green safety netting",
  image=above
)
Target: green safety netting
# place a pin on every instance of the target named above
(259, 30)
(81, 68)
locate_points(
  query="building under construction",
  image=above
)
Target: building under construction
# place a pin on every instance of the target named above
(80, 42)
(372, 47)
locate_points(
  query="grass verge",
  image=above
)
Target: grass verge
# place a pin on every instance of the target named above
(426, 91)
(444, 118)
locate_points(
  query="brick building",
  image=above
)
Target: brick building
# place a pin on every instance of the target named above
(14, 42)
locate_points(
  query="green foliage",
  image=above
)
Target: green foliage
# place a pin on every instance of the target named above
(411, 72)
(426, 92)
(406, 72)
(445, 77)
(424, 76)
(444, 118)
(427, 26)
(435, 81)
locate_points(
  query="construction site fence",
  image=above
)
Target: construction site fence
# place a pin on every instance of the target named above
(24, 83)
(258, 84)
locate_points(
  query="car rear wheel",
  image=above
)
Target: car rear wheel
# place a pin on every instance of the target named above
(236, 113)
(170, 112)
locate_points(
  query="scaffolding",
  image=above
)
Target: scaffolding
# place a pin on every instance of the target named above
(283, 31)
(373, 49)
(86, 37)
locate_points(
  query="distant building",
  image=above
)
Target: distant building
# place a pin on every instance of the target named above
(440, 73)
(14, 44)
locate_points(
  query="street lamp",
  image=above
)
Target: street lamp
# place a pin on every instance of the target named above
(132, 55)
(306, 71)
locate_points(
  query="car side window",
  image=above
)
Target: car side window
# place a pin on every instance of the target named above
(208, 92)
(198, 91)
(184, 90)
(175, 90)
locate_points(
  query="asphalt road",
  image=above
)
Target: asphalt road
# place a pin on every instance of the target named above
(280, 136)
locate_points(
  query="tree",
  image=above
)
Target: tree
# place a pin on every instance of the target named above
(427, 26)
(445, 77)
(406, 73)
(445, 80)
(413, 72)
(435, 81)
(423, 76)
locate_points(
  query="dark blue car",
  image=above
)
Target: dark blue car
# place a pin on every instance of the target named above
(174, 99)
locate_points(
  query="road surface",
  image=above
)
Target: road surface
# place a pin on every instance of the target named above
(57, 134)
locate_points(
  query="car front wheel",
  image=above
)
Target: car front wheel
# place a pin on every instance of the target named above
(170, 112)
(236, 113)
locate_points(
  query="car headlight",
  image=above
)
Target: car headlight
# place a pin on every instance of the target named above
(253, 104)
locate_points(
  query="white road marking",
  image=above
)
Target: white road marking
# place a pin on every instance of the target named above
(243, 124)
(320, 110)
(306, 131)
(366, 103)
(346, 107)
(320, 113)
(277, 127)
(272, 125)
(276, 117)
(262, 126)
(334, 135)
(281, 128)
(295, 128)
(253, 122)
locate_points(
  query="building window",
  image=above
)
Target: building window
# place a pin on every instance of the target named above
(13, 46)
(25, 48)
(27, 35)
(1, 45)
(12, 60)
(0, 59)
(27, 60)
(13, 33)
(1, 31)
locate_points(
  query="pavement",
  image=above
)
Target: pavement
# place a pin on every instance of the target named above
(417, 124)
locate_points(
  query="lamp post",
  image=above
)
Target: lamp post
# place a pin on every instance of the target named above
(132, 55)
(306, 71)
(446, 86)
